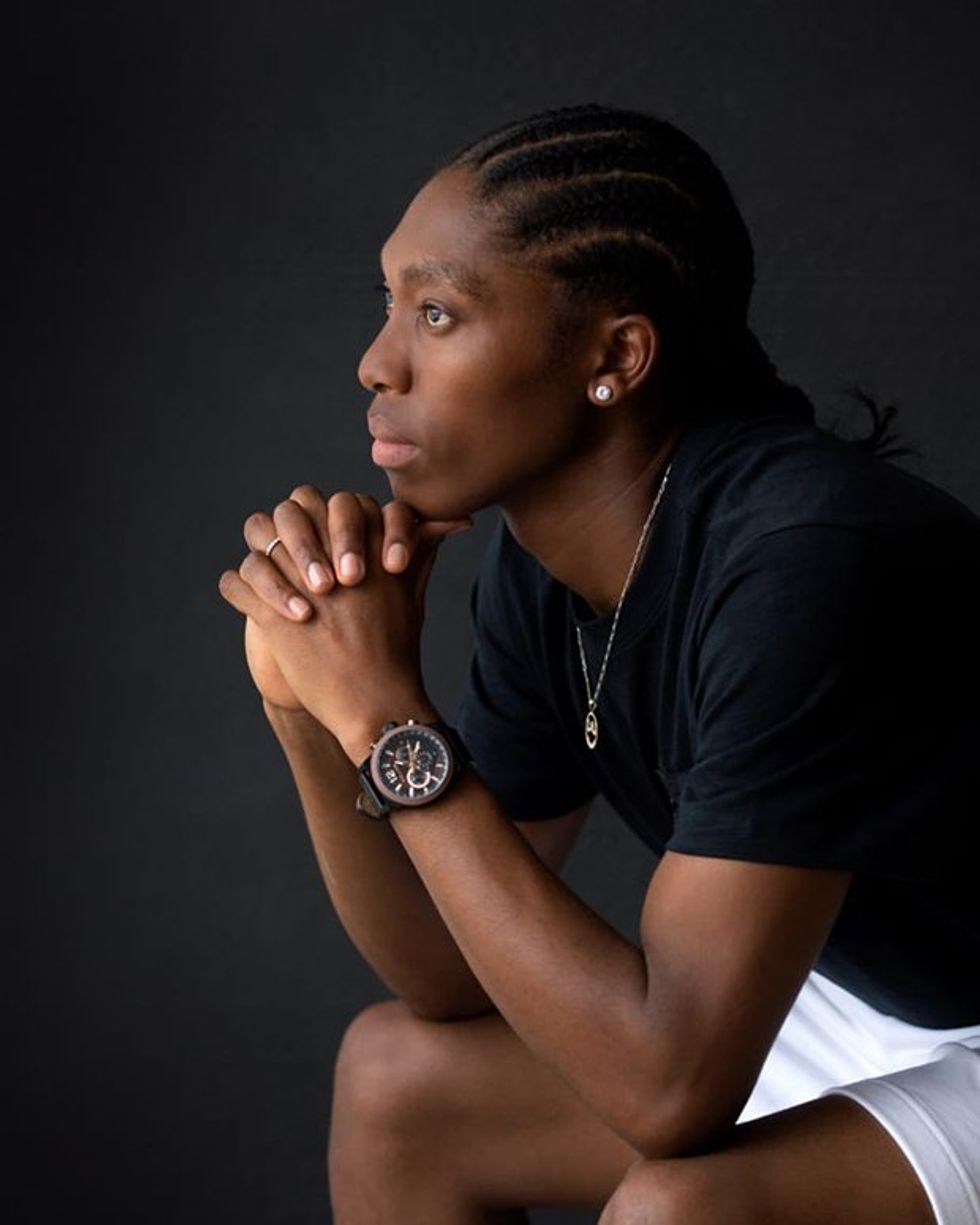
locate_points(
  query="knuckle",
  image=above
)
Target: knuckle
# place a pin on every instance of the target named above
(305, 493)
(372, 511)
(398, 523)
(304, 552)
(340, 500)
(253, 524)
(344, 521)
(251, 567)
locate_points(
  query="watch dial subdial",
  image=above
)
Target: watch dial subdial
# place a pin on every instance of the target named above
(413, 766)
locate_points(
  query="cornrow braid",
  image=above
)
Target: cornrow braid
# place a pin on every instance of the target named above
(623, 209)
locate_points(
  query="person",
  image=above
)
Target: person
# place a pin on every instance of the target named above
(757, 639)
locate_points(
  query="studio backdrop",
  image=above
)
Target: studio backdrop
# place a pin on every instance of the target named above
(203, 193)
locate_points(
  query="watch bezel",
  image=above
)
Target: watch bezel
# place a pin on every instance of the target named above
(395, 799)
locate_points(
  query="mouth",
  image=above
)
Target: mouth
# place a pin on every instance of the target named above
(391, 448)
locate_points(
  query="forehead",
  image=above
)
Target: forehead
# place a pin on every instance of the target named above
(442, 238)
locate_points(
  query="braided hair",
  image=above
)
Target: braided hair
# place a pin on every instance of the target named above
(622, 209)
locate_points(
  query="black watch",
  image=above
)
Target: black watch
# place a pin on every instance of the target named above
(411, 764)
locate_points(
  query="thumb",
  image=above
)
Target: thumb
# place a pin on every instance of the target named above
(436, 530)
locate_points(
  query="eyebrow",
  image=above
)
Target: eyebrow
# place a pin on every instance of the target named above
(460, 277)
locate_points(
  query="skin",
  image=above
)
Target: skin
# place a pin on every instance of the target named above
(602, 1072)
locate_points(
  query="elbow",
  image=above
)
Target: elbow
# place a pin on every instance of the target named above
(653, 1137)
(443, 1006)
(441, 1012)
(677, 1123)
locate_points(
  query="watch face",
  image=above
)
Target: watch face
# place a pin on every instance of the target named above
(411, 765)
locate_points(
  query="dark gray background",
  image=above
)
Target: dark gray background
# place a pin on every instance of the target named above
(205, 188)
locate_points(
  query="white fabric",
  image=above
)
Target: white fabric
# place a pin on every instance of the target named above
(922, 1085)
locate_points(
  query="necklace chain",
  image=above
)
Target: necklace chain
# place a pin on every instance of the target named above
(591, 721)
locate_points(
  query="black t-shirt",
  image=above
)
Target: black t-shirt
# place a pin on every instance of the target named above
(794, 680)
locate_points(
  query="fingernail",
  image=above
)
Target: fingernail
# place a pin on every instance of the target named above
(350, 565)
(317, 574)
(297, 605)
(397, 555)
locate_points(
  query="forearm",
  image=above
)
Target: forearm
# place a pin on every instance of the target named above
(372, 883)
(570, 986)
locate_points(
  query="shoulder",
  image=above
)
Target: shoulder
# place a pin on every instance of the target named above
(758, 478)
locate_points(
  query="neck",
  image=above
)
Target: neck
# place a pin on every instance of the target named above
(583, 525)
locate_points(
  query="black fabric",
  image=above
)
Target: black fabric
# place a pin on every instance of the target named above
(793, 680)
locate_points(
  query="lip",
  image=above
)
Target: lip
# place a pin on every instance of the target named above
(391, 449)
(393, 454)
(380, 429)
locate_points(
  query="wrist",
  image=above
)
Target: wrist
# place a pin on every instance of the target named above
(357, 738)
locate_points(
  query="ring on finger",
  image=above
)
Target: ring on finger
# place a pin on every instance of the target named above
(271, 545)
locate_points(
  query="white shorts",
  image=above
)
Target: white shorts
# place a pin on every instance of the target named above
(922, 1085)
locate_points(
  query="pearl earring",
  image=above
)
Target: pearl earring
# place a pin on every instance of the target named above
(603, 391)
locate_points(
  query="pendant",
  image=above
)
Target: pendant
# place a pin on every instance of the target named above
(591, 729)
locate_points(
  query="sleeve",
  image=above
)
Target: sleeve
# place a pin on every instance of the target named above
(505, 716)
(811, 710)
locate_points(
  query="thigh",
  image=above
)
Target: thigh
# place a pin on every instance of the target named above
(818, 1163)
(486, 1110)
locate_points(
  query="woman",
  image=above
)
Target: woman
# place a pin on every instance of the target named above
(756, 639)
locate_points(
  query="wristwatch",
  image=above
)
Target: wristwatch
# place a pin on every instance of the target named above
(411, 764)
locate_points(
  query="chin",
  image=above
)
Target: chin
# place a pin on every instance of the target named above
(430, 501)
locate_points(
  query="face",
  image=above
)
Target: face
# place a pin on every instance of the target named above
(465, 369)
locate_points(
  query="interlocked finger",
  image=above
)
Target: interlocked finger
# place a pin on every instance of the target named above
(317, 543)
(296, 524)
(401, 535)
(319, 571)
(269, 568)
(349, 518)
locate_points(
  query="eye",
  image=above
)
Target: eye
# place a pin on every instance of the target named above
(431, 306)
(425, 308)
(383, 289)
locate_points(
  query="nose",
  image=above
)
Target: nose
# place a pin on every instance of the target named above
(383, 367)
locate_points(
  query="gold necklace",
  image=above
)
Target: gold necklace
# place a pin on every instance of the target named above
(591, 721)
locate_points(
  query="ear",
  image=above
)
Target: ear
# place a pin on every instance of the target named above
(629, 349)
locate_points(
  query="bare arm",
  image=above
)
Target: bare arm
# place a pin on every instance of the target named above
(664, 1041)
(375, 889)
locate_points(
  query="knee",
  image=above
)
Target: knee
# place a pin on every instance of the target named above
(675, 1191)
(391, 1069)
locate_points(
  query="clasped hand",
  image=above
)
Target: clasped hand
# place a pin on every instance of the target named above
(341, 643)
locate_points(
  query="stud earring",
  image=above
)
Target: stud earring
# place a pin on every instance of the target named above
(603, 391)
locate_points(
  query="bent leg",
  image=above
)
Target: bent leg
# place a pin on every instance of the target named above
(458, 1122)
(819, 1163)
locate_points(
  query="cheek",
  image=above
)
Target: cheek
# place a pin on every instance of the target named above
(499, 426)
(497, 413)
(476, 454)
(510, 387)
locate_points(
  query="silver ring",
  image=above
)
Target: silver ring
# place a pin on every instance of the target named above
(272, 544)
